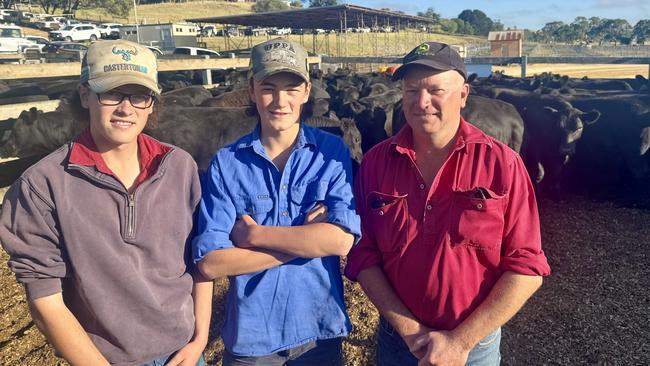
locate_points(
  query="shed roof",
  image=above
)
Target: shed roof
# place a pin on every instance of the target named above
(326, 17)
(512, 35)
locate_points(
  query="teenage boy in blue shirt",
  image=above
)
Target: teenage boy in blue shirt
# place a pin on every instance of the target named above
(276, 213)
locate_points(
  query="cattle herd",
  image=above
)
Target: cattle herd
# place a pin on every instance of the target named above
(574, 135)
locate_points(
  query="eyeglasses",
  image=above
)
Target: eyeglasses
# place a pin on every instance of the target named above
(113, 98)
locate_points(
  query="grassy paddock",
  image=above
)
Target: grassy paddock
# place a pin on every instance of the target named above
(578, 70)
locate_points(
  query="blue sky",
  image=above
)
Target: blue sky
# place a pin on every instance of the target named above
(522, 13)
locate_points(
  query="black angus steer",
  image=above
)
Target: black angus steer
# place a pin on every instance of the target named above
(552, 127)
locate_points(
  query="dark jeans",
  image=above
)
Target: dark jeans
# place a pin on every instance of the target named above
(393, 351)
(163, 360)
(326, 352)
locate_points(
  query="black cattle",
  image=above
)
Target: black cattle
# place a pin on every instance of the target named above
(613, 155)
(552, 127)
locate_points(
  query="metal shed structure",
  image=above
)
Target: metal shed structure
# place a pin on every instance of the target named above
(506, 43)
(338, 20)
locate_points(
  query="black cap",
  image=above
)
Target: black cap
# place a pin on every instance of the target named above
(438, 56)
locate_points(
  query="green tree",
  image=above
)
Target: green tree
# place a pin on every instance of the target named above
(641, 30)
(296, 4)
(449, 25)
(611, 30)
(463, 27)
(481, 23)
(319, 3)
(430, 13)
(269, 5)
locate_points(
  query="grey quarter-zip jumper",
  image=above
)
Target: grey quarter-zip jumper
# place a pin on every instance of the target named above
(121, 261)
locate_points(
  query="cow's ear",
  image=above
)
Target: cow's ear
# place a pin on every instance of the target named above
(645, 141)
(550, 109)
(33, 113)
(590, 117)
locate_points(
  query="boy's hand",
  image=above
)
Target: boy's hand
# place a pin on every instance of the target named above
(317, 214)
(241, 231)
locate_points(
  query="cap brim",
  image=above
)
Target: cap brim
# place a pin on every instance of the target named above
(401, 71)
(101, 85)
(261, 75)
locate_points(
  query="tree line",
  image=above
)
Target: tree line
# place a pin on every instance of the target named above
(592, 30)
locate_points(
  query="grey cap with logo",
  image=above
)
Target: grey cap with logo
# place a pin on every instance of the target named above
(276, 56)
(111, 64)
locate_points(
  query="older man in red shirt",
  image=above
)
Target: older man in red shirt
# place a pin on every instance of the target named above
(451, 245)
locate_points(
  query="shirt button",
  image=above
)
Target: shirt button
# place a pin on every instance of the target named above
(422, 186)
(429, 207)
(381, 213)
(285, 213)
(284, 187)
(479, 206)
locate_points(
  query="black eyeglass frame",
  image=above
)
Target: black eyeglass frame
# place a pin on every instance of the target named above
(149, 103)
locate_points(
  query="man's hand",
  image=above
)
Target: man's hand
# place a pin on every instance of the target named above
(441, 349)
(418, 347)
(188, 355)
(241, 231)
(317, 214)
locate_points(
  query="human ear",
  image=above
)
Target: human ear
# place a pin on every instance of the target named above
(83, 95)
(307, 92)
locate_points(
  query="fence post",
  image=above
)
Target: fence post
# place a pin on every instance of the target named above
(524, 63)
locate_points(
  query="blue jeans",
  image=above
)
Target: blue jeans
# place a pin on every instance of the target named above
(163, 360)
(326, 352)
(393, 351)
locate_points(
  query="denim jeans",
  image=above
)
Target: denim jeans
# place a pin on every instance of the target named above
(326, 352)
(393, 351)
(163, 360)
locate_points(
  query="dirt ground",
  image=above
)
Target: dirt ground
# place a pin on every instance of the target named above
(593, 310)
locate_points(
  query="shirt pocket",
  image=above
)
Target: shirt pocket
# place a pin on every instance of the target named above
(477, 222)
(306, 196)
(388, 220)
(256, 206)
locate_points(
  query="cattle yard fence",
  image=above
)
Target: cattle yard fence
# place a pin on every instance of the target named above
(373, 63)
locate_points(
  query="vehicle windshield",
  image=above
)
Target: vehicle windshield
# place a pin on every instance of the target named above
(10, 33)
(70, 27)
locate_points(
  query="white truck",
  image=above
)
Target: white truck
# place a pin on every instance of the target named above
(12, 40)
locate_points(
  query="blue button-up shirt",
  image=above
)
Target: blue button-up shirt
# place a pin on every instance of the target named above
(299, 301)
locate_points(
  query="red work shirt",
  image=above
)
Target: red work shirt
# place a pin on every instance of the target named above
(84, 152)
(444, 248)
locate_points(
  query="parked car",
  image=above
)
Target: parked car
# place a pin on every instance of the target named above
(41, 42)
(64, 51)
(12, 40)
(256, 31)
(25, 17)
(195, 51)
(208, 30)
(280, 31)
(156, 50)
(48, 23)
(109, 30)
(80, 32)
(10, 16)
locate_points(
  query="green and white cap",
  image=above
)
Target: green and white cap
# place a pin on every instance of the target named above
(111, 64)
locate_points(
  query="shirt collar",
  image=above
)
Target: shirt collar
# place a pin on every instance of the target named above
(84, 152)
(403, 141)
(305, 137)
